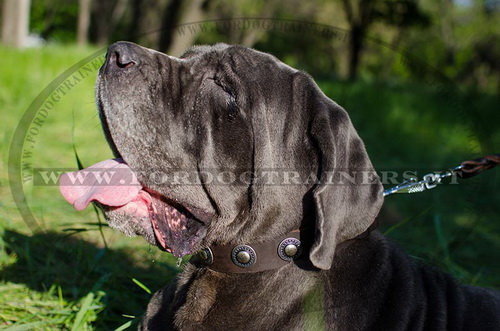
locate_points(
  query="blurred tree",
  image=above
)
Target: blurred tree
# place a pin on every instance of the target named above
(463, 41)
(170, 18)
(83, 21)
(477, 60)
(361, 14)
(107, 15)
(179, 12)
(55, 20)
(15, 22)
(136, 20)
(149, 24)
(245, 35)
(461, 38)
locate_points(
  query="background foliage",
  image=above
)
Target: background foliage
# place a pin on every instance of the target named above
(461, 38)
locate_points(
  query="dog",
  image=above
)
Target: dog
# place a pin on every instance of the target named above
(276, 202)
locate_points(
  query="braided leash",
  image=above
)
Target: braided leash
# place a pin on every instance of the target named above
(474, 167)
(466, 169)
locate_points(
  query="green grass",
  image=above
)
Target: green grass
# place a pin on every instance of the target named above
(76, 274)
(53, 279)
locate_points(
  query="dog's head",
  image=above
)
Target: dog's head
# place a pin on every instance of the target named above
(229, 145)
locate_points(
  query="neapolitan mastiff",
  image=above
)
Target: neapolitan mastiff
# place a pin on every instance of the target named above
(273, 253)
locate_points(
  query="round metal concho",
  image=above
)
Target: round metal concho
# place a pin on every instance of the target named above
(289, 249)
(243, 256)
(206, 256)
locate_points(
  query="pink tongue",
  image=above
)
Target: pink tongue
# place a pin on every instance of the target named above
(110, 182)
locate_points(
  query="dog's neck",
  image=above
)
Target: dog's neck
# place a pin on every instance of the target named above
(274, 254)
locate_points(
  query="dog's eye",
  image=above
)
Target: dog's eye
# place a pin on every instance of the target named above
(231, 104)
(225, 88)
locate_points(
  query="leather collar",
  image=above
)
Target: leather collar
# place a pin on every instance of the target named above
(249, 258)
(274, 254)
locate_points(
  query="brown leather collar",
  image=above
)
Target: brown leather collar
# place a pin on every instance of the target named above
(274, 254)
(250, 258)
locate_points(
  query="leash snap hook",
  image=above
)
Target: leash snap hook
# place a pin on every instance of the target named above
(432, 180)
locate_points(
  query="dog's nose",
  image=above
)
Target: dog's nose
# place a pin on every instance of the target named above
(122, 55)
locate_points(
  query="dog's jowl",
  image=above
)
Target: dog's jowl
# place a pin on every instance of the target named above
(232, 156)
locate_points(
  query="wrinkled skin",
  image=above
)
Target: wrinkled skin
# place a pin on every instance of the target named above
(174, 104)
(232, 108)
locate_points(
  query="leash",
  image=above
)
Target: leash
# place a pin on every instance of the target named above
(466, 169)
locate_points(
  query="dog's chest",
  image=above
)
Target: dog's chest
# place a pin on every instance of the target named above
(261, 301)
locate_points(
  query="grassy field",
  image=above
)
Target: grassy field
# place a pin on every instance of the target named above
(74, 273)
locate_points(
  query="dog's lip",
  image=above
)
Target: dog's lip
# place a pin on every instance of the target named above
(176, 230)
(197, 213)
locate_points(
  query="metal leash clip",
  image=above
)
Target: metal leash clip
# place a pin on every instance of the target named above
(466, 169)
(429, 181)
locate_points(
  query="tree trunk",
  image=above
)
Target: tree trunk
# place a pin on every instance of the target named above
(170, 18)
(192, 12)
(355, 49)
(83, 22)
(107, 15)
(101, 12)
(15, 22)
(360, 16)
(135, 24)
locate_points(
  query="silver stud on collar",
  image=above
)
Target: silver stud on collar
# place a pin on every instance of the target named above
(289, 249)
(243, 256)
(206, 256)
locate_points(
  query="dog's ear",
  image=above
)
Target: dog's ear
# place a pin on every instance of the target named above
(349, 195)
